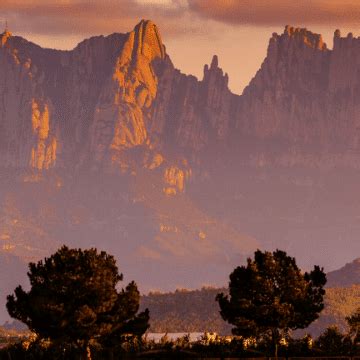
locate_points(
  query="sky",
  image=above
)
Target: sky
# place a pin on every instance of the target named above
(193, 31)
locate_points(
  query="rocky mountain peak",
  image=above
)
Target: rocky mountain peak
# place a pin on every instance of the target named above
(214, 62)
(148, 40)
(214, 74)
(346, 276)
(4, 37)
(345, 42)
(304, 36)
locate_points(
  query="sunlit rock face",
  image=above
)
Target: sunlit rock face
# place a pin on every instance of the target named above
(43, 153)
(80, 107)
(49, 99)
(121, 116)
(112, 103)
(116, 102)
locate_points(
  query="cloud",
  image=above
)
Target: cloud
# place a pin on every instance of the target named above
(278, 12)
(90, 17)
(77, 19)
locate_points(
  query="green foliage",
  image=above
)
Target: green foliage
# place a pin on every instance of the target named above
(73, 300)
(271, 295)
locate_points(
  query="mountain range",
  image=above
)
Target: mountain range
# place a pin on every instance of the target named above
(109, 145)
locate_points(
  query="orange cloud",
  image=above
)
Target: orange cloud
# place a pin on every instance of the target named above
(175, 17)
(88, 17)
(278, 12)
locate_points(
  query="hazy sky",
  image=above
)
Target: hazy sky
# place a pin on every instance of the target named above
(192, 30)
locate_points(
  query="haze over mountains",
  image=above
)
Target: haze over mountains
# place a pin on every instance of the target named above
(109, 145)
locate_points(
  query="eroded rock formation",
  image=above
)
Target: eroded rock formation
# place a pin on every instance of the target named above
(117, 101)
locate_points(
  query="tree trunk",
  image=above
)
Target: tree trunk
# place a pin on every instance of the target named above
(88, 352)
(275, 341)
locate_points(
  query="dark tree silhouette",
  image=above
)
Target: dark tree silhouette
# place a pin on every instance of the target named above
(354, 326)
(271, 295)
(74, 300)
(332, 342)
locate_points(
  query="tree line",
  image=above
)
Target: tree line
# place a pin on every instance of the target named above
(76, 309)
(185, 310)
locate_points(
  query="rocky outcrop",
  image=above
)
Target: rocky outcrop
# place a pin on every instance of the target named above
(112, 103)
(285, 100)
(302, 104)
(48, 99)
(175, 178)
(120, 120)
(117, 102)
(189, 113)
(43, 153)
(79, 107)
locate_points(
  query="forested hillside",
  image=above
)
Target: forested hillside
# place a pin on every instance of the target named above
(185, 311)
(197, 311)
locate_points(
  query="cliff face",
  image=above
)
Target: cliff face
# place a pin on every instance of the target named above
(79, 107)
(49, 98)
(189, 113)
(286, 96)
(109, 145)
(303, 100)
(117, 102)
(91, 106)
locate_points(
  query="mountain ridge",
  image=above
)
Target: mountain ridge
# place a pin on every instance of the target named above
(272, 109)
(347, 275)
(109, 145)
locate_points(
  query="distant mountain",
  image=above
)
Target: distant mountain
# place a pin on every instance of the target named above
(109, 145)
(348, 275)
(197, 311)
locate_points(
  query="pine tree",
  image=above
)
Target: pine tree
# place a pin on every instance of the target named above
(271, 296)
(74, 300)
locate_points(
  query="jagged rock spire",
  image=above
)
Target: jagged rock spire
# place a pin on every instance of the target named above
(6, 28)
(214, 62)
(5, 35)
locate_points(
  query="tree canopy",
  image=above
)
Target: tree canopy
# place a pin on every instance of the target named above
(74, 299)
(270, 295)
